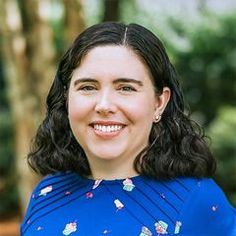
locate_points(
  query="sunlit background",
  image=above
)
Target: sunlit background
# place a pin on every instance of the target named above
(200, 37)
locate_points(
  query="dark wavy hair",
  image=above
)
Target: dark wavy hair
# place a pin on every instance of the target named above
(177, 145)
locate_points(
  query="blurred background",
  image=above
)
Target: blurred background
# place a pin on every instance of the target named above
(200, 37)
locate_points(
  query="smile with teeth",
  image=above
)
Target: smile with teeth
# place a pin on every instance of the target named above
(107, 128)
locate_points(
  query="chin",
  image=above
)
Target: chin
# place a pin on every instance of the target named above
(104, 154)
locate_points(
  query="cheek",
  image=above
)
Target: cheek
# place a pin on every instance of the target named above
(77, 108)
(72, 109)
(140, 110)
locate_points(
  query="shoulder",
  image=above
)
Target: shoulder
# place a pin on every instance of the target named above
(53, 182)
(48, 194)
(206, 193)
(206, 209)
(191, 206)
(55, 179)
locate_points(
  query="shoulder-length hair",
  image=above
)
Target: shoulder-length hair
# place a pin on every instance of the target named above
(177, 145)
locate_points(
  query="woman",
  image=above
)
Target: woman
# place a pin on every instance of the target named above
(119, 155)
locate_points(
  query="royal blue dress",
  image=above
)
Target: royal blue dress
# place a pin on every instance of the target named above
(67, 204)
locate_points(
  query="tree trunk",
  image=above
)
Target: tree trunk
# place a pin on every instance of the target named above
(29, 58)
(111, 10)
(74, 20)
(28, 55)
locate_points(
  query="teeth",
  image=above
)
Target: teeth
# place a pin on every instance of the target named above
(108, 128)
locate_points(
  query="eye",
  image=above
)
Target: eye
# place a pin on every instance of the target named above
(127, 88)
(87, 88)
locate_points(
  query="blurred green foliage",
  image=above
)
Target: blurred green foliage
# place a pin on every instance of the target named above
(8, 176)
(207, 69)
(207, 65)
(8, 179)
(222, 130)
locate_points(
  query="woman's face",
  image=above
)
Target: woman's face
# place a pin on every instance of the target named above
(111, 104)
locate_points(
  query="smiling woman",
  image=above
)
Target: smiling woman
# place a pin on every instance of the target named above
(108, 108)
(119, 154)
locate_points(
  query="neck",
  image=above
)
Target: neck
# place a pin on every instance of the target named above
(111, 169)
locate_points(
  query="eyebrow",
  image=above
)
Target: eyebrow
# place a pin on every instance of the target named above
(128, 80)
(83, 80)
(116, 81)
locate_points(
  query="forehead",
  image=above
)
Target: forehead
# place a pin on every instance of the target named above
(112, 59)
(118, 51)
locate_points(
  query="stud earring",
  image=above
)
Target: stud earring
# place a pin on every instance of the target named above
(157, 118)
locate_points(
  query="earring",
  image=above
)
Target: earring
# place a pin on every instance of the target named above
(157, 118)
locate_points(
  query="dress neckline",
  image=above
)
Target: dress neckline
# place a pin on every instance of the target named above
(113, 181)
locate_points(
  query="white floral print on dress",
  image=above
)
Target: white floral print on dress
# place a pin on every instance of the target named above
(161, 227)
(145, 232)
(177, 227)
(96, 183)
(70, 228)
(128, 185)
(119, 204)
(45, 190)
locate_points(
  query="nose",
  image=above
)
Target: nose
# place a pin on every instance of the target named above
(105, 104)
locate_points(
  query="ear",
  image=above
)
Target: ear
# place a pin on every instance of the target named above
(161, 103)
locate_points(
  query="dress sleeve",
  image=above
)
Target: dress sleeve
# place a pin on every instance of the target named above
(208, 212)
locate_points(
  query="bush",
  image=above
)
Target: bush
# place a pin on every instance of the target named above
(222, 131)
(8, 180)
